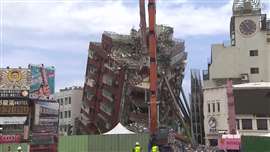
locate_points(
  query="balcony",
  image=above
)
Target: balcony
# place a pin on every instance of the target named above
(107, 107)
(107, 79)
(108, 95)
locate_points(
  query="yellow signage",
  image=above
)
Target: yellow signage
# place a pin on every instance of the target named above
(15, 79)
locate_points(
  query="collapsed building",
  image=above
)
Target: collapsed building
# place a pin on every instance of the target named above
(116, 85)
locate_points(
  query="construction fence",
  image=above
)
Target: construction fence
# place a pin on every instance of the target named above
(102, 143)
(13, 147)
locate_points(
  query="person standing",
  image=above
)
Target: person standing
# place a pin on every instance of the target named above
(154, 148)
(137, 147)
(19, 149)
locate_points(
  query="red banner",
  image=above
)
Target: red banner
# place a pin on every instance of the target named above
(10, 139)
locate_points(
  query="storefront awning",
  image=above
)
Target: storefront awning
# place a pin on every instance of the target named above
(12, 120)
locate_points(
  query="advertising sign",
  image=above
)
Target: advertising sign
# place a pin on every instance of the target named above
(15, 79)
(12, 120)
(42, 85)
(229, 142)
(14, 107)
(8, 94)
(46, 117)
(10, 139)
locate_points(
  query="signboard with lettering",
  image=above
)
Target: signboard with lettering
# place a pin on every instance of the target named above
(46, 117)
(42, 85)
(10, 139)
(14, 107)
(229, 142)
(15, 79)
(13, 94)
(14, 110)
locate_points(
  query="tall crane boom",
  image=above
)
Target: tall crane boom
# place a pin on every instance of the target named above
(153, 66)
(143, 28)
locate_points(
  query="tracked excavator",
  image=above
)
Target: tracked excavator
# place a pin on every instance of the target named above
(168, 141)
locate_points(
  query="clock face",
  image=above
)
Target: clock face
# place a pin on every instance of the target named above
(247, 27)
(212, 122)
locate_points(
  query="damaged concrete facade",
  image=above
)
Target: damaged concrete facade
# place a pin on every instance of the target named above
(117, 83)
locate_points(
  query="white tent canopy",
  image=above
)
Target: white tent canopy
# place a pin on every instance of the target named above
(119, 129)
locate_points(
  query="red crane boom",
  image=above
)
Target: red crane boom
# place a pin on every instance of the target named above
(153, 66)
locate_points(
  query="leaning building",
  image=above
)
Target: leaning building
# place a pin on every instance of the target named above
(116, 85)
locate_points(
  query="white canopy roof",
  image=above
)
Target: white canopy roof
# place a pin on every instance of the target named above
(119, 129)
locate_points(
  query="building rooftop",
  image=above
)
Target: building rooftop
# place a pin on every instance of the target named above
(254, 85)
(71, 88)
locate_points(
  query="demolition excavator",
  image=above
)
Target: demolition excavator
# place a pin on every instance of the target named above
(182, 110)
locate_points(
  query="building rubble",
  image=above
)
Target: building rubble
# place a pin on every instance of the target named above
(117, 84)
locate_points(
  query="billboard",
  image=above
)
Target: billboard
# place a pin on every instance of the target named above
(43, 83)
(14, 107)
(46, 117)
(15, 79)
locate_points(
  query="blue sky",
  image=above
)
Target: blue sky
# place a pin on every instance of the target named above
(58, 32)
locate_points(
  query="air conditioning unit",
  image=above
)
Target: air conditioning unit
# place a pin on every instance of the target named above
(244, 77)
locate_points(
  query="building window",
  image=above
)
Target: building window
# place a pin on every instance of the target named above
(61, 101)
(213, 105)
(238, 124)
(253, 53)
(69, 100)
(218, 107)
(61, 115)
(69, 114)
(247, 124)
(107, 94)
(254, 70)
(66, 100)
(65, 114)
(262, 124)
(209, 110)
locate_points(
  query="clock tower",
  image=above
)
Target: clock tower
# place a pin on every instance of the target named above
(246, 20)
(246, 60)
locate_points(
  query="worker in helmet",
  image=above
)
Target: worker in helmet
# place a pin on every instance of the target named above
(19, 149)
(137, 148)
(154, 148)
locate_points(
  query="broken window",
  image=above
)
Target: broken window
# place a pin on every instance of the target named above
(106, 107)
(107, 94)
(107, 79)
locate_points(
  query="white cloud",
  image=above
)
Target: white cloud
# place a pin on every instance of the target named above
(67, 27)
(86, 17)
(93, 18)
